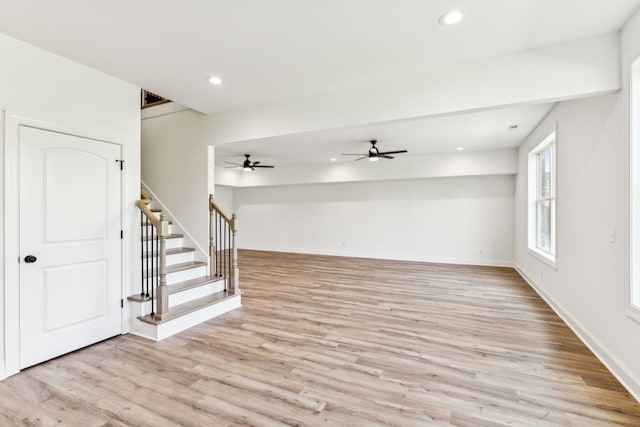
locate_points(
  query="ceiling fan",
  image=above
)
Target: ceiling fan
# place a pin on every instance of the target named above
(374, 154)
(247, 165)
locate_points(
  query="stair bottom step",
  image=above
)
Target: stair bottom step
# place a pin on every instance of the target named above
(189, 307)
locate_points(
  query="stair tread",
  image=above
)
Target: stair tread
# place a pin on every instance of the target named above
(173, 251)
(173, 268)
(149, 223)
(169, 236)
(181, 286)
(191, 306)
(192, 283)
(185, 266)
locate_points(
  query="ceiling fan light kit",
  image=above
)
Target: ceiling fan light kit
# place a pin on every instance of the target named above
(247, 165)
(374, 154)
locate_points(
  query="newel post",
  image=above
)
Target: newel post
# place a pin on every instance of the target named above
(235, 274)
(212, 242)
(162, 294)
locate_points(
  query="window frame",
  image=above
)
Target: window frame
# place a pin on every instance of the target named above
(537, 198)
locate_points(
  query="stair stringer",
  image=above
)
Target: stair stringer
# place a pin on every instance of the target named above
(200, 254)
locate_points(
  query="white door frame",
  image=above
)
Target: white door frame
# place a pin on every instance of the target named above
(11, 325)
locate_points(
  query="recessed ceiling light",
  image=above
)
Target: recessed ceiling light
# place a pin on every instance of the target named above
(333, 159)
(459, 148)
(214, 80)
(452, 17)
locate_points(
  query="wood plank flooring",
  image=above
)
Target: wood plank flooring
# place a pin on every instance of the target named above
(344, 342)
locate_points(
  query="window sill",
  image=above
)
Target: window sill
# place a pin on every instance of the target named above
(633, 313)
(544, 257)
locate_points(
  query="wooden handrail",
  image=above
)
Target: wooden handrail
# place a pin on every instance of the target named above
(150, 215)
(144, 197)
(214, 207)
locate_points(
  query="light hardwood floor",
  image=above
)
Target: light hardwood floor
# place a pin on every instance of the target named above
(345, 342)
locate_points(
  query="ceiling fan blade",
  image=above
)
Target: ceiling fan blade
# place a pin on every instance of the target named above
(256, 163)
(261, 166)
(394, 152)
(384, 156)
(363, 157)
(351, 154)
(231, 163)
(233, 167)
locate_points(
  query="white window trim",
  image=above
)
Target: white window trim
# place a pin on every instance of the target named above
(549, 258)
(633, 308)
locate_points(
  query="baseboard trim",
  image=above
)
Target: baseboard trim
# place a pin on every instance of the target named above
(386, 256)
(627, 378)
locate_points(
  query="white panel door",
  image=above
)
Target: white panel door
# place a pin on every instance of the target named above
(70, 222)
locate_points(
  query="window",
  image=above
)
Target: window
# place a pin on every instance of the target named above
(542, 200)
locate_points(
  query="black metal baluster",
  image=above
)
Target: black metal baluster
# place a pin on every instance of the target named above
(154, 277)
(228, 255)
(146, 238)
(219, 241)
(142, 254)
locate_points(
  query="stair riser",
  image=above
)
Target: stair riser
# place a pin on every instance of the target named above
(173, 243)
(170, 244)
(181, 276)
(176, 258)
(195, 293)
(170, 229)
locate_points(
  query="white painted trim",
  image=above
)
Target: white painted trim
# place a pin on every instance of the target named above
(13, 122)
(12, 249)
(388, 256)
(543, 257)
(634, 182)
(162, 110)
(626, 377)
(633, 313)
(204, 255)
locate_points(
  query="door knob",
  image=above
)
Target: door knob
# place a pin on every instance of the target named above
(30, 259)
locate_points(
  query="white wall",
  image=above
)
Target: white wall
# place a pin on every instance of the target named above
(458, 220)
(175, 168)
(590, 285)
(55, 92)
(223, 196)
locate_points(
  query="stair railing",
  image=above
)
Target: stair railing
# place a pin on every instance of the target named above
(153, 256)
(223, 253)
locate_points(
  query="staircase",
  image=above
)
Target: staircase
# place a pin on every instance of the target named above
(177, 291)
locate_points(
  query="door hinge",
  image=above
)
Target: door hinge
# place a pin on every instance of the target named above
(121, 303)
(121, 164)
(121, 234)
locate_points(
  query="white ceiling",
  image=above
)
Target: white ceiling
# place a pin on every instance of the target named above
(485, 130)
(268, 51)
